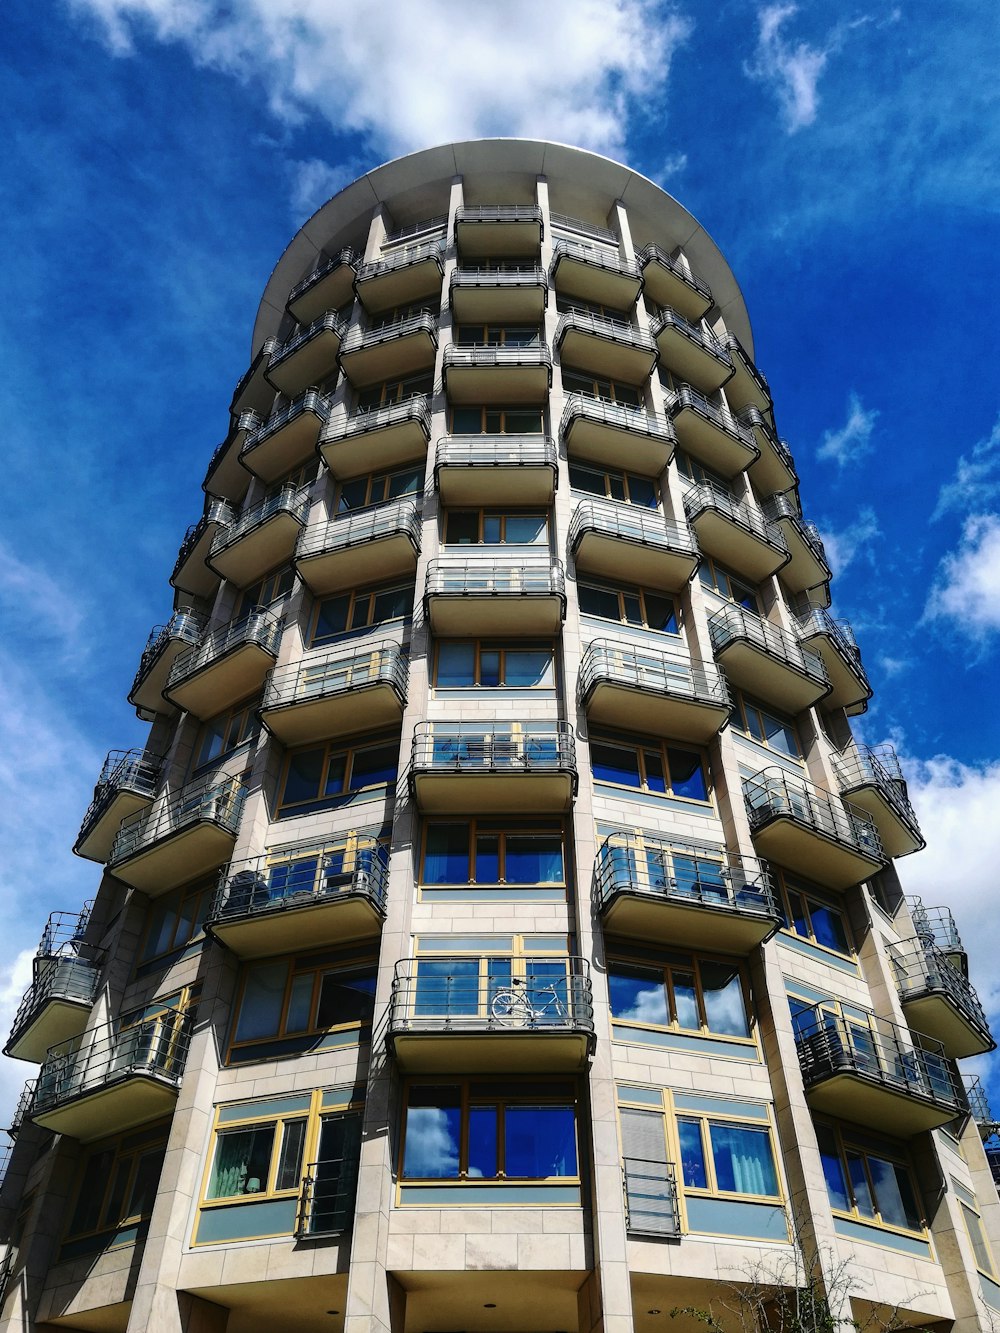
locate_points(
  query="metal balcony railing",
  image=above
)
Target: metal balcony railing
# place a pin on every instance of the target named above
(665, 318)
(260, 627)
(246, 422)
(876, 766)
(979, 1105)
(309, 401)
(616, 415)
(329, 322)
(402, 258)
(485, 356)
(752, 419)
(326, 1200)
(187, 626)
(773, 792)
(993, 1161)
(880, 1052)
(64, 933)
(306, 876)
(261, 358)
(736, 347)
(7, 1263)
(319, 676)
(123, 771)
(631, 524)
(709, 495)
(326, 265)
(935, 926)
(424, 322)
(923, 969)
(599, 258)
(603, 234)
(651, 1207)
(646, 669)
(364, 420)
(219, 513)
(652, 252)
(60, 977)
(400, 519)
(436, 223)
(23, 1107)
(289, 500)
(498, 213)
(817, 620)
(6, 1153)
(688, 399)
(459, 578)
(213, 800)
(465, 747)
(613, 330)
(783, 506)
(496, 451)
(499, 275)
(483, 995)
(732, 624)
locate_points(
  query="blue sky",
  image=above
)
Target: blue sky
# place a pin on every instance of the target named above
(161, 153)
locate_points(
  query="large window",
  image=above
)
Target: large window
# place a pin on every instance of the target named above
(490, 527)
(457, 977)
(177, 919)
(316, 778)
(688, 993)
(378, 488)
(594, 387)
(656, 767)
(265, 591)
(495, 421)
(722, 1156)
(809, 913)
(727, 585)
(460, 664)
(629, 606)
(611, 484)
(257, 1159)
(764, 726)
(118, 1184)
(226, 731)
(394, 391)
(491, 852)
(280, 998)
(869, 1182)
(358, 610)
(498, 335)
(692, 471)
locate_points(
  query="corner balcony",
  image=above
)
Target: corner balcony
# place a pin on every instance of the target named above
(127, 783)
(936, 927)
(526, 600)
(670, 282)
(497, 374)
(504, 294)
(835, 643)
(225, 667)
(394, 350)
(635, 545)
(593, 274)
(335, 694)
(639, 689)
(310, 899)
(519, 768)
(107, 1082)
(748, 387)
(496, 469)
(376, 440)
(512, 230)
(262, 538)
(22, 1111)
(412, 273)
(692, 353)
(765, 661)
(226, 477)
(774, 470)
(328, 287)
(872, 778)
(606, 347)
(810, 831)
(735, 531)
(191, 573)
(877, 1074)
(186, 834)
(367, 547)
(252, 392)
(710, 433)
(630, 438)
(164, 645)
(939, 1001)
(287, 439)
(309, 356)
(64, 976)
(473, 1015)
(682, 896)
(808, 567)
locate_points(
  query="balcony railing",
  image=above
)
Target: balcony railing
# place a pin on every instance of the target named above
(616, 416)
(215, 800)
(739, 353)
(289, 500)
(643, 669)
(650, 253)
(256, 365)
(876, 766)
(611, 330)
(402, 258)
(310, 401)
(980, 1109)
(651, 1207)
(632, 524)
(324, 675)
(389, 330)
(63, 980)
(773, 793)
(436, 223)
(262, 628)
(925, 976)
(782, 507)
(690, 400)
(496, 451)
(487, 355)
(507, 275)
(936, 927)
(329, 322)
(498, 213)
(267, 884)
(6, 1152)
(817, 620)
(219, 514)
(124, 773)
(566, 223)
(731, 624)
(709, 495)
(184, 626)
(465, 747)
(457, 578)
(23, 1107)
(340, 533)
(325, 266)
(665, 318)
(597, 257)
(326, 1200)
(366, 420)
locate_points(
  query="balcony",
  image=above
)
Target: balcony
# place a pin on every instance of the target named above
(595, 274)
(164, 645)
(873, 779)
(808, 567)
(939, 1001)
(711, 433)
(682, 896)
(497, 374)
(631, 438)
(287, 439)
(368, 547)
(876, 1074)
(412, 273)
(763, 660)
(226, 477)
(835, 643)
(936, 927)
(519, 768)
(748, 387)
(501, 294)
(511, 230)
(191, 574)
(182, 836)
(127, 783)
(480, 597)
(606, 347)
(378, 439)
(651, 1207)
(262, 538)
(639, 689)
(496, 469)
(328, 287)
(670, 282)
(252, 392)
(311, 898)
(309, 356)
(227, 666)
(690, 352)
(64, 976)
(734, 531)
(473, 1015)
(810, 831)
(22, 1111)
(326, 1199)
(395, 349)
(635, 545)
(774, 470)
(980, 1110)
(335, 694)
(107, 1082)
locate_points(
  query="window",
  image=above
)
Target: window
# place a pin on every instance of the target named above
(656, 767)
(284, 998)
(298, 873)
(257, 1159)
(568, 305)
(226, 731)
(118, 1183)
(456, 978)
(496, 421)
(394, 391)
(360, 609)
(176, 919)
(488, 527)
(386, 318)
(692, 471)
(498, 335)
(808, 913)
(629, 606)
(977, 1238)
(486, 851)
(869, 1182)
(728, 585)
(486, 1131)
(265, 591)
(615, 485)
(690, 993)
(316, 778)
(721, 1156)
(767, 728)
(475, 664)
(297, 478)
(377, 488)
(608, 390)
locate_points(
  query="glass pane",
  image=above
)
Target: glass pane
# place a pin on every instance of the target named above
(115, 1211)
(692, 1154)
(305, 772)
(299, 1017)
(534, 859)
(723, 995)
(446, 854)
(523, 423)
(489, 668)
(660, 613)
(242, 1161)
(335, 775)
(456, 665)
(462, 527)
(685, 1000)
(293, 1141)
(586, 479)
(447, 986)
(392, 603)
(346, 997)
(212, 743)
(743, 1160)
(147, 1176)
(655, 776)
(433, 1133)
(642, 491)
(780, 737)
(482, 1142)
(599, 602)
(260, 1010)
(527, 667)
(637, 994)
(686, 775)
(467, 420)
(797, 908)
(525, 529)
(632, 604)
(492, 529)
(828, 928)
(539, 1141)
(833, 1168)
(888, 1198)
(405, 483)
(353, 494)
(859, 1184)
(488, 858)
(374, 766)
(616, 486)
(611, 763)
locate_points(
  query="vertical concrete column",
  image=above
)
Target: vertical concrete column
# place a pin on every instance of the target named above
(378, 230)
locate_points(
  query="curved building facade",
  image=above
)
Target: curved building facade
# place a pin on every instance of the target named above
(499, 929)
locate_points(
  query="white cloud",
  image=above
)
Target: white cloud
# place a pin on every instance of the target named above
(976, 483)
(794, 70)
(851, 543)
(315, 181)
(853, 440)
(412, 75)
(671, 166)
(35, 605)
(14, 981)
(967, 588)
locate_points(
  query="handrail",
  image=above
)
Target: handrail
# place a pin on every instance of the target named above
(156, 1047)
(329, 322)
(370, 524)
(63, 935)
(59, 978)
(260, 627)
(773, 793)
(312, 400)
(734, 345)
(603, 327)
(732, 623)
(584, 228)
(752, 418)
(923, 969)
(817, 620)
(935, 925)
(326, 1197)
(410, 254)
(498, 213)
(599, 259)
(690, 399)
(863, 766)
(638, 419)
(289, 500)
(219, 512)
(256, 361)
(346, 256)
(652, 252)
(666, 317)
(363, 420)
(309, 874)
(703, 495)
(358, 338)
(651, 1204)
(436, 223)
(632, 524)
(514, 275)
(319, 675)
(123, 770)
(646, 669)
(464, 578)
(779, 507)
(465, 747)
(212, 800)
(188, 626)
(427, 999)
(23, 1106)
(497, 354)
(496, 451)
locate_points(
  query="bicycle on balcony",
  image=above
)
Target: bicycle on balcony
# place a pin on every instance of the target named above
(515, 1006)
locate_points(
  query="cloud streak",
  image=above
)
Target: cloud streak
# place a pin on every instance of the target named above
(792, 69)
(853, 440)
(976, 483)
(967, 589)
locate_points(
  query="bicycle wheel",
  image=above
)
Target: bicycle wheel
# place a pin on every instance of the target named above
(512, 1008)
